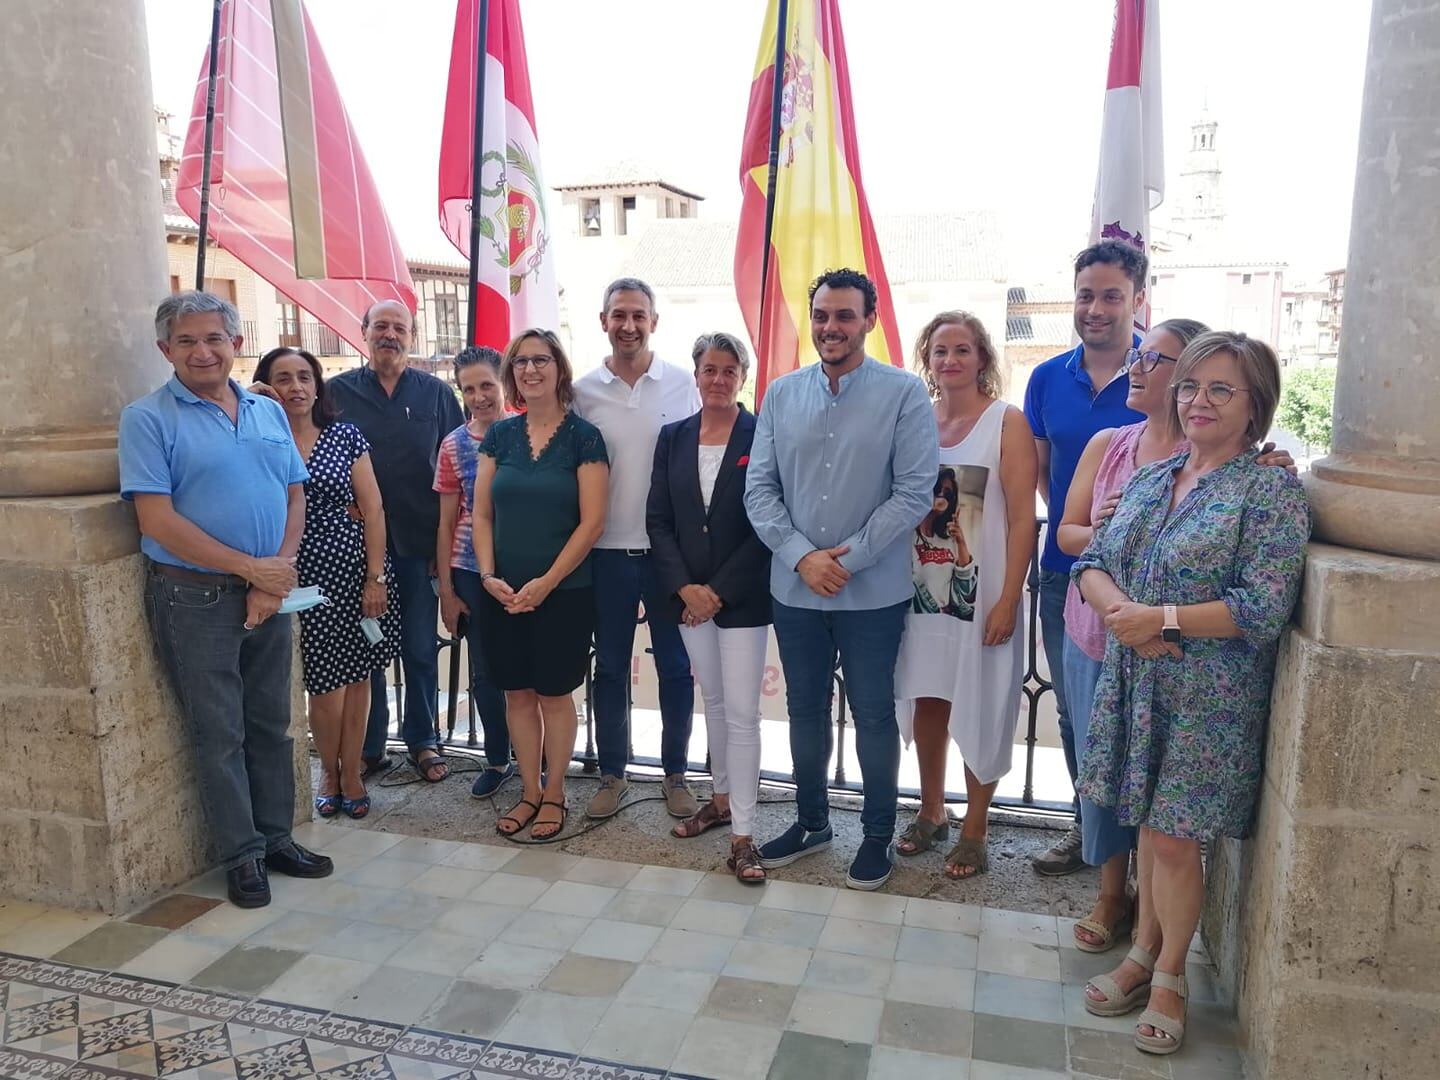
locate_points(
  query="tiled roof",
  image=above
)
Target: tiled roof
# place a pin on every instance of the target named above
(1042, 329)
(916, 247)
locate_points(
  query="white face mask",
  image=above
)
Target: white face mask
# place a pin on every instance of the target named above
(303, 599)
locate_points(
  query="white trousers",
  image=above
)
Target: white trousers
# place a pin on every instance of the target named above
(730, 667)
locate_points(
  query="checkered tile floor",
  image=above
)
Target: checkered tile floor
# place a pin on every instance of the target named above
(424, 959)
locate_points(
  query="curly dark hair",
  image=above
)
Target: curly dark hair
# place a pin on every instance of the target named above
(846, 278)
(1129, 258)
(323, 411)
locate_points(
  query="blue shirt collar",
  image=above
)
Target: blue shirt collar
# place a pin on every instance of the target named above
(850, 376)
(185, 394)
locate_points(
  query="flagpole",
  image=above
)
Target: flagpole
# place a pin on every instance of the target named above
(209, 147)
(772, 175)
(472, 306)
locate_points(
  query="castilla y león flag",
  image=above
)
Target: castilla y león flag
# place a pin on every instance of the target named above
(821, 219)
(516, 264)
(290, 194)
(1131, 178)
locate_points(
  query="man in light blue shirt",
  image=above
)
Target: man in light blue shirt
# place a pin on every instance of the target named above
(217, 485)
(841, 471)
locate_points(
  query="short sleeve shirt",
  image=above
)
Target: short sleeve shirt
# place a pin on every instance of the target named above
(536, 501)
(455, 475)
(1064, 408)
(231, 480)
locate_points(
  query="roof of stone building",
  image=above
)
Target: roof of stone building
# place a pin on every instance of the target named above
(1040, 329)
(1051, 293)
(628, 173)
(916, 248)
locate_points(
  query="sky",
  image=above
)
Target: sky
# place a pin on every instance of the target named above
(959, 104)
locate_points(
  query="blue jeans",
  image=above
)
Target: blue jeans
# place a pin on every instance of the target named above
(1101, 835)
(419, 657)
(233, 686)
(621, 582)
(489, 699)
(868, 643)
(1053, 586)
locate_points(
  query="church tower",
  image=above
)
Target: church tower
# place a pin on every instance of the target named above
(1200, 211)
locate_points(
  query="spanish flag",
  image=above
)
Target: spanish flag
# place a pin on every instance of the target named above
(820, 217)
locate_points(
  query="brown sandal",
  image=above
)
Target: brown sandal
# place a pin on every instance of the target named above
(967, 853)
(744, 860)
(510, 816)
(706, 819)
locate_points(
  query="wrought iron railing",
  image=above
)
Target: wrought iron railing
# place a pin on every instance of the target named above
(1033, 689)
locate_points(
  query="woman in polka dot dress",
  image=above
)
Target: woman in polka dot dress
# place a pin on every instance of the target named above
(343, 552)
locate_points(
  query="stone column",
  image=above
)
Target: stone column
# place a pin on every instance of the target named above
(1326, 924)
(98, 807)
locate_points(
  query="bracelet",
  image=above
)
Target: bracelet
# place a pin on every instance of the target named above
(486, 575)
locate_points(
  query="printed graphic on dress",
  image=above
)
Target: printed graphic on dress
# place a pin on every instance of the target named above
(944, 560)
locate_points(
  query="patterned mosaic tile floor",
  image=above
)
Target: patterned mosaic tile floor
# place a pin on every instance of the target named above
(424, 959)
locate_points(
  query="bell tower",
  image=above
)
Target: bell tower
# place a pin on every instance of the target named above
(1200, 211)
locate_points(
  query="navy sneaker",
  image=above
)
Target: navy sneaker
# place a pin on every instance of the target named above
(490, 781)
(794, 843)
(872, 866)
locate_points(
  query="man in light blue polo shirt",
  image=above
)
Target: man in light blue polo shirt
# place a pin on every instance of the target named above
(1069, 399)
(217, 485)
(841, 472)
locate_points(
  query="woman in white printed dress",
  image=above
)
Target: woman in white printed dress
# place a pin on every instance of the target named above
(961, 660)
(343, 552)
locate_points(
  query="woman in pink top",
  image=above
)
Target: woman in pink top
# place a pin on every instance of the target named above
(1108, 462)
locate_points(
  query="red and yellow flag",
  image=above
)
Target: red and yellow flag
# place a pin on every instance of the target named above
(821, 219)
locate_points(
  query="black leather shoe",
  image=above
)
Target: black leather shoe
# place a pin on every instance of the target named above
(297, 862)
(248, 886)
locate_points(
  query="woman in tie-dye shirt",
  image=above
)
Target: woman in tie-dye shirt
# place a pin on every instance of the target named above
(477, 373)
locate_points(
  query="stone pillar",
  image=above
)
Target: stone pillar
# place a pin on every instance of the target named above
(1326, 924)
(98, 807)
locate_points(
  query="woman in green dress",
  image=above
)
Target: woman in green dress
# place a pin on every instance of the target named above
(1195, 575)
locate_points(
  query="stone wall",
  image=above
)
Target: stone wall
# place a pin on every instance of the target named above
(1325, 925)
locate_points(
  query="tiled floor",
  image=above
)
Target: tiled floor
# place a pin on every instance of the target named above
(431, 959)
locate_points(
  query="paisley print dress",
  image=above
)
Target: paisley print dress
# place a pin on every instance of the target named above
(1177, 744)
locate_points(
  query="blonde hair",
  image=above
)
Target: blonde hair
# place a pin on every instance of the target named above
(1258, 363)
(988, 379)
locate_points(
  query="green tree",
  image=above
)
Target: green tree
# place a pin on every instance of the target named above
(1307, 405)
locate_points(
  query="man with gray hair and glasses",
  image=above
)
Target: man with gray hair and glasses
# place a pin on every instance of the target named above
(217, 485)
(630, 397)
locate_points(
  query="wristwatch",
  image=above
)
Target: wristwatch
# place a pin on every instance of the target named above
(1170, 630)
(381, 579)
(486, 575)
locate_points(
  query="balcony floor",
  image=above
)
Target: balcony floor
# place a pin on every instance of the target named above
(424, 959)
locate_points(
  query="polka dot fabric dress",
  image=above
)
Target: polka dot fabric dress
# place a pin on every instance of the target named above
(332, 556)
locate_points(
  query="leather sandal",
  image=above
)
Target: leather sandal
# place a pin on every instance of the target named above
(425, 766)
(558, 826)
(1108, 935)
(1117, 1002)
(744, 860)
(510, 816)
(922, 835)
(967, 852)
(327, 806)
(706, 819)
(1172, 1031)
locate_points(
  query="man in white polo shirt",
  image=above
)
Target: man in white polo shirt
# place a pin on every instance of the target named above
(629, 398)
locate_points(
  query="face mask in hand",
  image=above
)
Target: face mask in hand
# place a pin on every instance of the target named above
(303, 600)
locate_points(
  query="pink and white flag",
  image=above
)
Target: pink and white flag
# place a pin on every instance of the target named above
(517, 286)
(1131, 179)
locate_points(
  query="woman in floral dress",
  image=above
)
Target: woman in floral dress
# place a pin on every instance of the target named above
(1196, 575)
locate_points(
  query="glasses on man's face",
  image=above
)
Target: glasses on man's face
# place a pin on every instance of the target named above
(1217, 393)
(1146, 361)
(536, 363)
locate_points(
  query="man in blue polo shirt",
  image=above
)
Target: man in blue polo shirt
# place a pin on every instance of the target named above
(217, 485)
(1070, 397)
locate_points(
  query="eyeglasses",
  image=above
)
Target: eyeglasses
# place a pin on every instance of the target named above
(1217, 393)
(1146, 361)
(536, 363)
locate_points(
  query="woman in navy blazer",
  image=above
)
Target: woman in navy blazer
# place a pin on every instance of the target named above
(715, 573)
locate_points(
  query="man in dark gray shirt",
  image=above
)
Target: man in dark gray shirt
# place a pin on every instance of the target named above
(404, 414)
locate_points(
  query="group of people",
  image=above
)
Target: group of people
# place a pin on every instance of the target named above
(876, 519)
